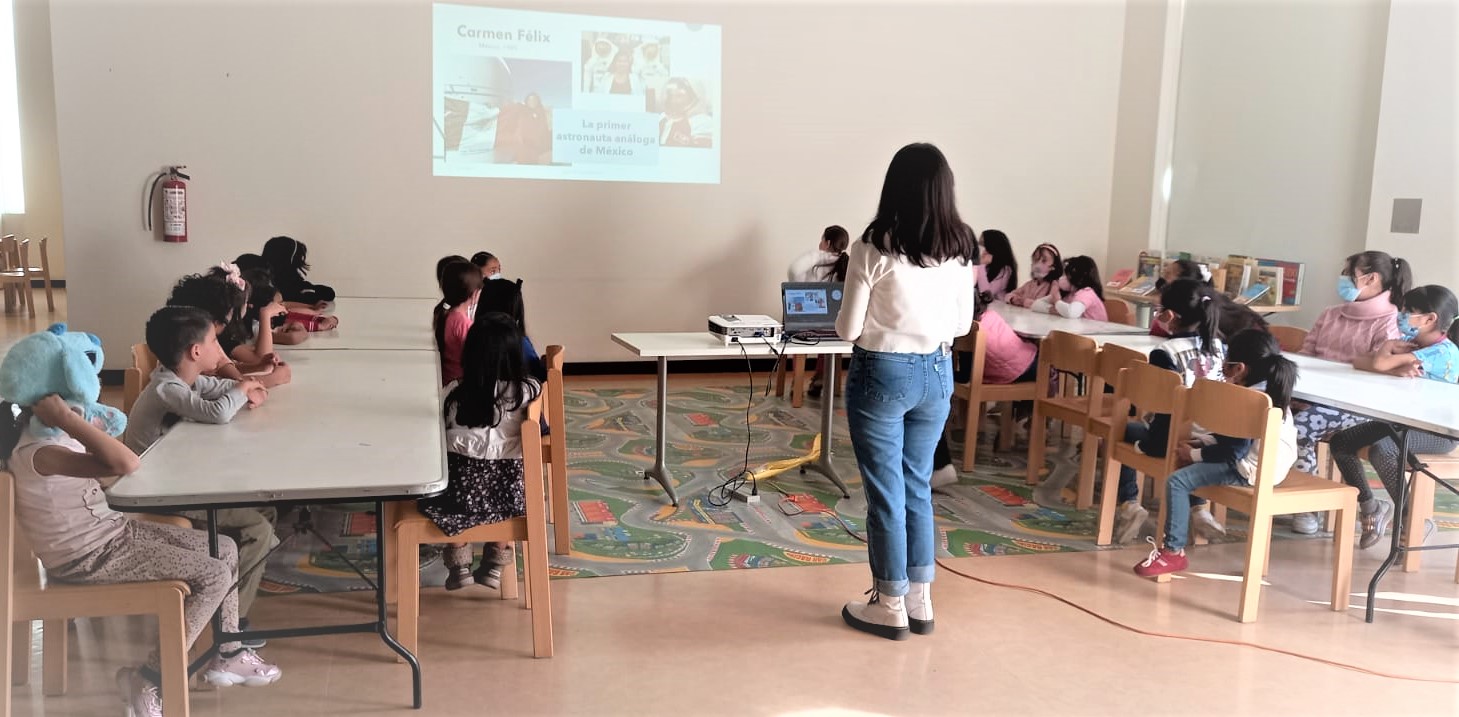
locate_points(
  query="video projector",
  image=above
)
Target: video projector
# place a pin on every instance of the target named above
(731, 328)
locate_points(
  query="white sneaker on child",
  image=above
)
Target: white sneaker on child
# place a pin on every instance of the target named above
(944, 476)
(245, 668)
(1129, 520)
(139, 696)
(1204, 524)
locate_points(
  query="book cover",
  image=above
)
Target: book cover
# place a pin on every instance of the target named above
(1238, 274)
(1120, 278)
(1150, 264)
(1270, 277)
(1141, 286)
(1253, 294)
(1291, 280)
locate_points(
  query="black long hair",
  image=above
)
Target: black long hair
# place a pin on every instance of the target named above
(13, 420)
(261, 292)
(1396, 274)
(1437, 300)
(1194, 304)
(222, 299)
(837, 238)
(482, 258)
(996, 243)
(1083, 273)
(1262, 355)
(445, 261)
(1188, 270)
(504, 297)
(917, 215)
(493, 371)
(459, 281)
(286, 258)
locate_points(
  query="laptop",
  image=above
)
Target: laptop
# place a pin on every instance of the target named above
(810, 308)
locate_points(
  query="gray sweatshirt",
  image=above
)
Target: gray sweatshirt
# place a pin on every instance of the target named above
(167, 399)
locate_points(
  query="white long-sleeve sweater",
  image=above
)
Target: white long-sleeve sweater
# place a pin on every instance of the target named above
(894, 306)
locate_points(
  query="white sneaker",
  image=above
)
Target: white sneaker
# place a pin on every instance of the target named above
(944, 476)
(919, 608)
(139, 696)
(1205, 525)
(244, 668)
(1306, 524)
(1129, 520)
(882, 616)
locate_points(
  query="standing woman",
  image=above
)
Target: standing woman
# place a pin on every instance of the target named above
(909, 292)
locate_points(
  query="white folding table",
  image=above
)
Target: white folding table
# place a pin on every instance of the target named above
(701, 345)
(362, 425)
(1036, 325)
(374, 324)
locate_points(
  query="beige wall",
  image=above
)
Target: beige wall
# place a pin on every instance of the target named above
(40, 159)
(1276, 123)
(310, 119)
(1133, 182)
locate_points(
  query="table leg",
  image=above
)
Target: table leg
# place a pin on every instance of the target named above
(822, 464)
(660, 472)
(382, 610)
(1400, 515)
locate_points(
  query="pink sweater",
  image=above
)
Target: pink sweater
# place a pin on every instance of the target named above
(997, 286)
(1346, 331)
(1031, 291)
(1008, 356)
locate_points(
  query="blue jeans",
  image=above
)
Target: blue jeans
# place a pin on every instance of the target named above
(1178, 491)
(1136, 431)
(896, 405)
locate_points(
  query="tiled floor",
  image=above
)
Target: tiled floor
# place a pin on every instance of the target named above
(771, 642)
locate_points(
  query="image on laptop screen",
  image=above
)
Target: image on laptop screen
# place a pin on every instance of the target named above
(806, 302)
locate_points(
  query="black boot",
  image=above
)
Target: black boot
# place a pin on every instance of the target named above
(458, 567)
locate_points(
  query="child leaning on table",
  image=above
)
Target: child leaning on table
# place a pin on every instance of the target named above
(1427, 328)
(483, 413)
(1254, 359)
(1078, 293)
(185, 342)
(225, 301)
(60, 507)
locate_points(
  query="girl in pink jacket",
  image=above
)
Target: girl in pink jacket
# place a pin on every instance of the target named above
(1047, 267)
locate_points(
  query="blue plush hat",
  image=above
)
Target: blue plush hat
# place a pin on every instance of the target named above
(66, 363)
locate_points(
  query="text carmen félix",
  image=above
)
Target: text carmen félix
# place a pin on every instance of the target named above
(503, 35)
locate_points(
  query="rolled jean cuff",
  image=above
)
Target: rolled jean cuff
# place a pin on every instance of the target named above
(921, 574)
(892, 588)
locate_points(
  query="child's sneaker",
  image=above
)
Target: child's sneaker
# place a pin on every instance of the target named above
(1205, 525)
(1306, 524)
(1161, 561)
(139, 696)
(494, 561)
(944, 477)
(458, 567)
(1129, 519)
(244, 667)
(1375, 524)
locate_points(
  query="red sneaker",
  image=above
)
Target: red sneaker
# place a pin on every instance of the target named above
(1161, 561)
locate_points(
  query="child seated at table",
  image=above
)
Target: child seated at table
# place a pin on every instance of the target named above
(185, 342)
(1079, 292)
(506, 297)
(1426, 348)
(1046, 267)
(461, 286)
(483, 413)
(265, 320)
(1254, 359)
(288, 264)
(997, 267)
(488, 263)
(62, 510)
(1190, 313)
(224, 300)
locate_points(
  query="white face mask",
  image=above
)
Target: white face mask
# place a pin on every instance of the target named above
(494, 277)
(1041, 270)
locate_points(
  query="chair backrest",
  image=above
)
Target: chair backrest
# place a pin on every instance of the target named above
(1149, 389)
(536, 490)
(1290, 337)
(1112, 358)
(556, 409)
(1238, 412)
(143, 360)
(45, 258)
(22, 568)
(1066, 353)
(23, 256)
(973, 343)
(1119, 312)
(9, 253)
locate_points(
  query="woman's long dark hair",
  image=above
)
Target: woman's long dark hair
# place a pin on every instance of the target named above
(1395, 273)
(493, 371)
(213, 293)
(13, 420)
(1194, 304)
(504, 297)
(445, 261)
(286, 257)
(917, 216)
(1437, 300)
(459, 281)
(996, 243)
(261, 293)
(1262, 356)
(837, 239)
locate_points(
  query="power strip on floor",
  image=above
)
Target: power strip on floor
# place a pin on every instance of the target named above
(745, 493)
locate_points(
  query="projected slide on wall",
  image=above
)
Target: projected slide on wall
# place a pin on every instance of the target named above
(537, 95)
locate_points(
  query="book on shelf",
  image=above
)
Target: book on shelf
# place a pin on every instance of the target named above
(1270, 277)
(1239, 274)
(1141, 286)
(1292, 275)
(1149, 265)
(1253, 294)
(1120, 278)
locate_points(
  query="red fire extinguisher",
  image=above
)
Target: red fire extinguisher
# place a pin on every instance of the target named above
(174, 203)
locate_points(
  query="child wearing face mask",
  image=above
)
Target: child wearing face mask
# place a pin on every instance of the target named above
(1427, 327)
(1371, 286)
(1047, 267)
(488, 263)
(1079, 292)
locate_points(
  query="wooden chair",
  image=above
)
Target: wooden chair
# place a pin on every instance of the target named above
(1111, 360)
(554, 451)
(1059, 352)
(135, 378)
(1232, 410)
(27, 597)
(976, 393)
(1119, 311)
(1151, 390)
(1291, 338)
(797, 384)
(1421, 491)
(411, 529)
(15, 275)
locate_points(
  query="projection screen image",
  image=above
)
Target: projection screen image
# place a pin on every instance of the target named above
(538, 95)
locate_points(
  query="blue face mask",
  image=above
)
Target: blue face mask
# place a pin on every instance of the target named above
(1347, 290)
(1406, 330)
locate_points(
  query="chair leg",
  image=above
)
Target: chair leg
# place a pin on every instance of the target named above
(535, 574)
(27, 292)
(1005, 427)
(1325, 470)
(1342, 562)
(970, 435)
(392, 553)
(1420, 510)
(509, 582)
(407, 620)
(797, 384)
(55, 646)
(1256, 557)
(20, 654)
(1037, 426)
(1163, 511)
(780, 378)
(50, 299)
(1088, 459)
(525, 548)
(561, 512)
(1105, 530)
(172, 635)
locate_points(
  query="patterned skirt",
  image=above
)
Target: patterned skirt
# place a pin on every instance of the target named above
(480, 491)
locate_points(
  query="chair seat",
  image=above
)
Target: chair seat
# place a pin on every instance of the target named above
(1298, 493)
(998, 392)
(424, 530)
(1127, 454)
(63, 600)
